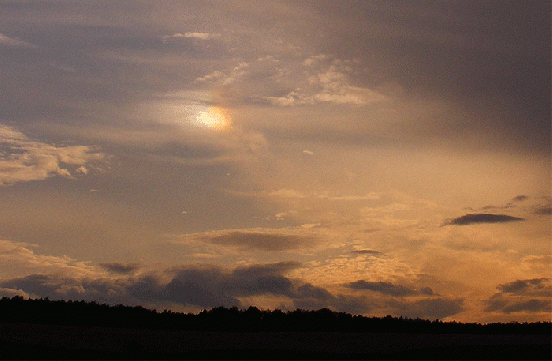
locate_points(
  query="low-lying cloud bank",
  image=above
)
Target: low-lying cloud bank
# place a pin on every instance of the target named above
(191, 288)
(529, 295)
(202, 287)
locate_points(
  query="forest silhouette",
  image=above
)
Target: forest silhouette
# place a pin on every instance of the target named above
(512, 340)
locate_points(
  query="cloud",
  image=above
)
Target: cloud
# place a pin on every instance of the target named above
(529, 295)
(520, 198)
(225, 78)
(5, 40)
(326, 81)
(214, 286)
(534, 287)
(482, 218)
(366, 251)
(257, 239)
(191, 286)
(9, 292)
(308, 291)
(339, 303)
(59, 287)
(431, 308)
(292, 193)
(194, 35)
(24, 160)
(200, 287)
(387, 288)
(544, 206)
(529, 306)
(205, 286)
(498, 303)
(262, 279)
(120, 267)
(544, 210)
(18, 259)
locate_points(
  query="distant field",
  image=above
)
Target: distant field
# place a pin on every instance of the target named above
(27, 341)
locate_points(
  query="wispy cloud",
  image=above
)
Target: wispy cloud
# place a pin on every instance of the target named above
(9, 41)
(327, 83)
(17, 258)
(23, 160)
(194, 35)
(292, 193)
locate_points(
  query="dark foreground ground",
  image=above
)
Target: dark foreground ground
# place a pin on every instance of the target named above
(32, 341)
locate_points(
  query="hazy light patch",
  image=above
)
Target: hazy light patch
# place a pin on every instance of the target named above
(214, 117)
(8, 41)
(191, 108)
(195, 35)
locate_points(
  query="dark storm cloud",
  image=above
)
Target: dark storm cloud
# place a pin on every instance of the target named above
(388, 288)
(308, 291)
(478, 218)
(208, 287)
(145, 288)
(205, 287)
(211, 287)
(198, 287)
(262, 279)
(353, 305)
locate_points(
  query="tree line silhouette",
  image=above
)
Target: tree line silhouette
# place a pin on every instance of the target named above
(252, 319)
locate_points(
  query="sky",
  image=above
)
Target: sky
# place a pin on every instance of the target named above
(371, 157)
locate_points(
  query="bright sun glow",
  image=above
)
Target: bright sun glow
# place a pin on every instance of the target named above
(214, 117)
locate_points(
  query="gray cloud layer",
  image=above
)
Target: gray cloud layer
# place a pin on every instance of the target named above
(426, 48)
